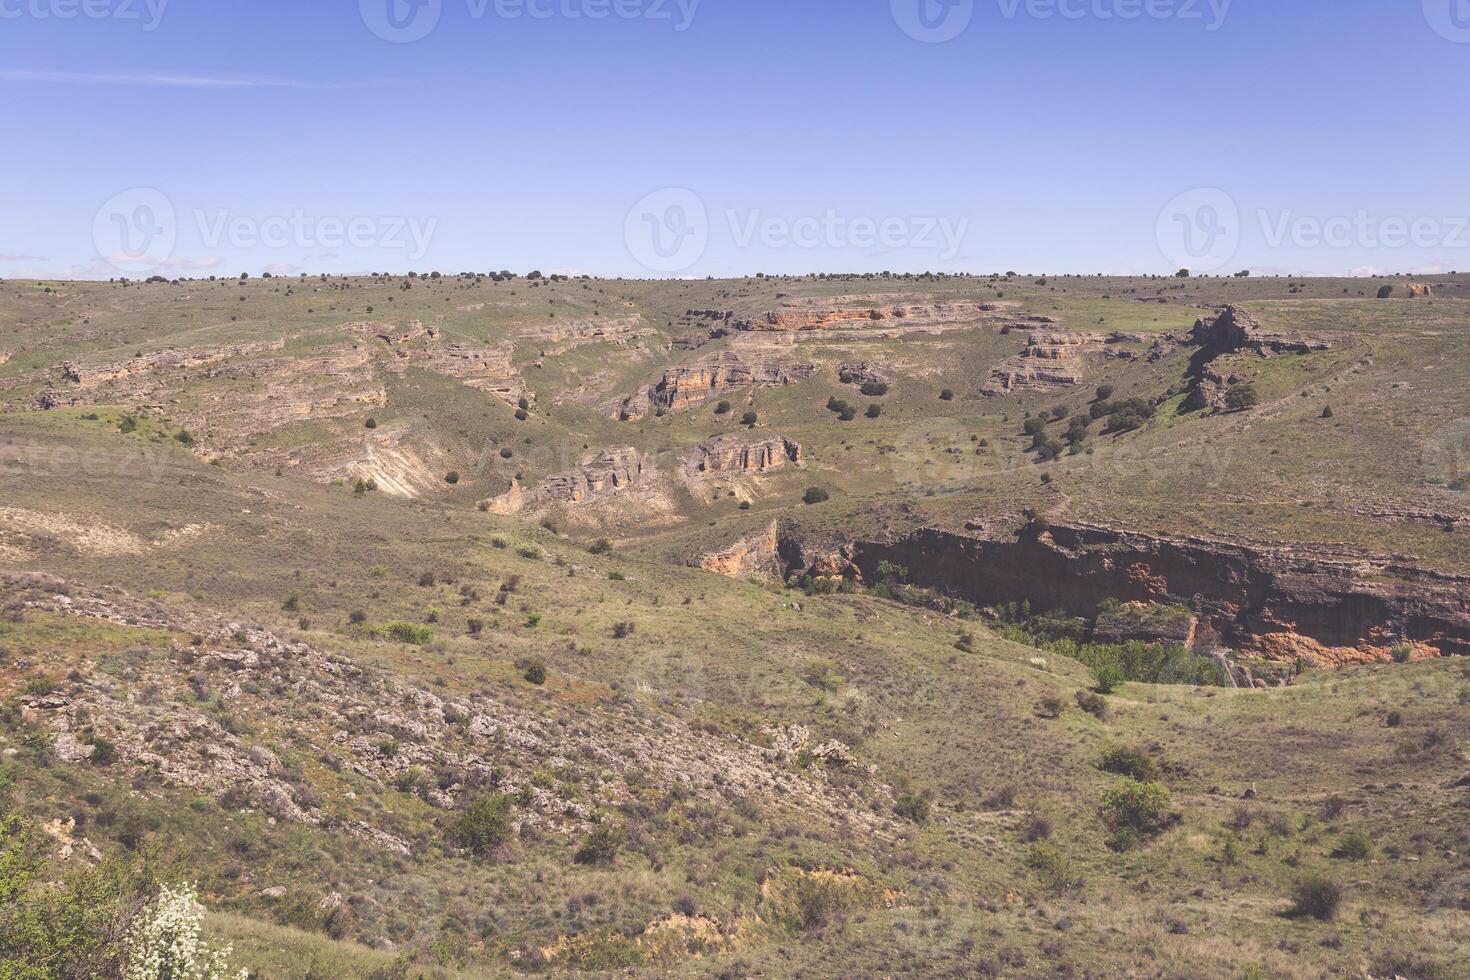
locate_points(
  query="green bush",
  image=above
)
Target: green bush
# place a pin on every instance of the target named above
(1107, 677)
(483, 826)
(600, 847)
(912, 806)
(874, 389)
(1134, 809)
(401, 632)
(1053, 868)
(1355, 845)
(535, 671)
(815, 495)
(1242, 397)
(1135, 763)
(1316, 897)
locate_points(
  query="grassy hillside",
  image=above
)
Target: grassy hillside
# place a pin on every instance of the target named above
(407, 736)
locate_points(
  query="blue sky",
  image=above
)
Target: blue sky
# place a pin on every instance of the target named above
(728, 137)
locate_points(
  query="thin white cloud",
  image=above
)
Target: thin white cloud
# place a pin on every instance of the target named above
(23, 258)
(152, 79)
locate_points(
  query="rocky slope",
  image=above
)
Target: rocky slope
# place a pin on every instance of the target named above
(1327, 608)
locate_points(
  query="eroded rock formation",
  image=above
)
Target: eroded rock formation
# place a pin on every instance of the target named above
(1050, 361)
(605, 472)
(736, 454)
(687, 385)
(1329, 608)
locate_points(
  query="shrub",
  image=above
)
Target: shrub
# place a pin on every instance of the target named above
(621, 631)
(874, 389)
(1317, 897)
(370, 424)
(912, 806)
(1051, 707)
(483, 826)
(1135, 809)
(602, 546)
(1355, 845)
(1385, 292)
(1403, 652)
(600, 847)
(410, 633)
(874, 411)
(452, 478)
(163, 942)
(815, 495)
(749, 419)
(1104, 392)
(1242, 397)
(1094, 704)
(1053, 868)
(723, 408)
(1107, 677)
(103, 751)
(535, 671)
(1135, 763)
(946, 395)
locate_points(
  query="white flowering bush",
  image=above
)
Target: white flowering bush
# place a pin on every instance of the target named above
(164, 942)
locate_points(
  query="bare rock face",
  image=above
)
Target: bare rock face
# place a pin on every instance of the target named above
(860, 373)
(605, 472)
(1330, 608)
(689, 385)
(754, 557)
(1231, 331)
(1049, 362)
(885, 314)
(1235, 330)
(1415, 290)
(736, 454)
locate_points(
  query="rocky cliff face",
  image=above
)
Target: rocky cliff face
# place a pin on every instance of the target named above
(736, 454)
(688, 385)
(1328, 608)
(1235, 330)
(1050, 361)
(1232, 331)
(755, 557)
(603, 473)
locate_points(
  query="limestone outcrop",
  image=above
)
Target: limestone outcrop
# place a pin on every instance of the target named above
(1050, 361)
(736, 454)
(688, 385)
(601, 474)
(1234, 329)
(858, 373)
